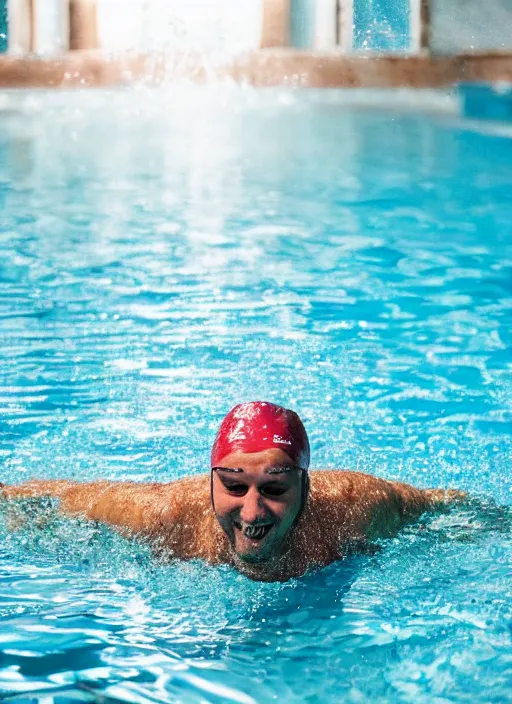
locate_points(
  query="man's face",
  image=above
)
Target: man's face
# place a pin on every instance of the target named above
(256, 498)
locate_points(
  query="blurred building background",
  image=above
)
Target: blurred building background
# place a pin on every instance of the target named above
(232, 26)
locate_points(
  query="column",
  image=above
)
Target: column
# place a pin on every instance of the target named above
(83, 29)
(276, 23)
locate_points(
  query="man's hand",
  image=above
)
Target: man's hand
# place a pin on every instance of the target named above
(24, 508)
(441, 498)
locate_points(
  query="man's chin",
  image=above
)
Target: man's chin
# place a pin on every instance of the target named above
(255, 554)
(253, 557)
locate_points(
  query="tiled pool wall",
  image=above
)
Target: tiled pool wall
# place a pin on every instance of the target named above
(486, 101)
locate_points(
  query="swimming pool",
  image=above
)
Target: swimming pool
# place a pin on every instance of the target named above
(169, 254)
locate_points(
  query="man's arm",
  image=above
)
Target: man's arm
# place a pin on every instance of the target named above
(399, 504)
(366, 508)
(136, 508)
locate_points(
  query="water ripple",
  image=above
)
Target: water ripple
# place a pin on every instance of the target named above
(173, 257)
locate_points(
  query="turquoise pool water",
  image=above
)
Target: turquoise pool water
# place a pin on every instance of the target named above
(3, 26)
(167, 255)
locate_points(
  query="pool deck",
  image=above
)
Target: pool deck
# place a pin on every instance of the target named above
(265, 67)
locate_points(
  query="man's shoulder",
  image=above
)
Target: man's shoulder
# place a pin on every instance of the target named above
(346, 488)
(192, 480)
(333, 482)
(346, 504)
(190, 490)
(188, 517)
(336, 480)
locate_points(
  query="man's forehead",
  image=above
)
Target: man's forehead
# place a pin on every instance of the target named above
(271, 457)
(273, 469)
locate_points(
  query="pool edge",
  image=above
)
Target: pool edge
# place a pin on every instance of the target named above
(265, 67)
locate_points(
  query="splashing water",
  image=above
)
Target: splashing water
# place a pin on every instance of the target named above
(168, 255)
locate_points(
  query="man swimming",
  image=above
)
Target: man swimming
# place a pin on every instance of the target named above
(259, 509)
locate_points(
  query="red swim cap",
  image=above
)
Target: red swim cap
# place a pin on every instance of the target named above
(257, 426)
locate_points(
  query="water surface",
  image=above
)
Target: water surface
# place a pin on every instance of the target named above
(165, 256)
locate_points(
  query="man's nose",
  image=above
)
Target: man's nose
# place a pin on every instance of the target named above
(252, 509)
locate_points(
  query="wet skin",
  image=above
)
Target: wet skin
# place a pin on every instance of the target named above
(256, 499)
(254, 523)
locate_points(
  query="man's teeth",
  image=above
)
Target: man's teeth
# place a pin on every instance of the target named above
(256, 532)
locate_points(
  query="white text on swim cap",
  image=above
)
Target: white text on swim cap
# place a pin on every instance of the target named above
(278, 438)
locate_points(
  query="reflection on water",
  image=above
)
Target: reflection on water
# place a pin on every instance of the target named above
(160, 264)
(88, 612)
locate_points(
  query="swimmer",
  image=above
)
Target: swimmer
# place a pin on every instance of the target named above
(259, 509)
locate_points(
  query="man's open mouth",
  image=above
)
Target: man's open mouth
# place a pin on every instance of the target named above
(254, 532)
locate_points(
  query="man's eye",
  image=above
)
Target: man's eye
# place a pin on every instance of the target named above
(238, 489)
(274, 490)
